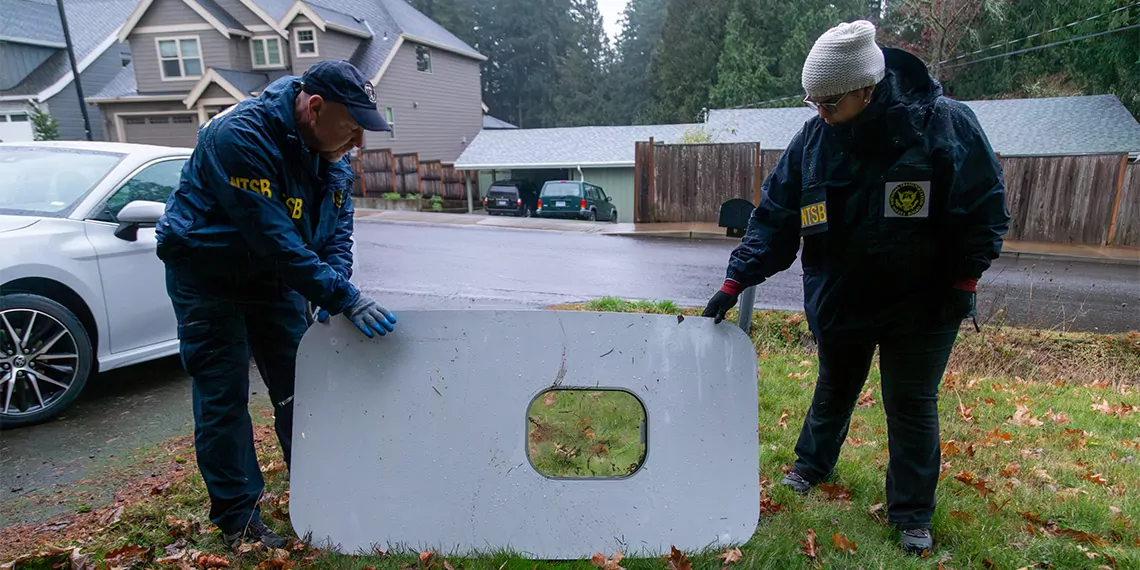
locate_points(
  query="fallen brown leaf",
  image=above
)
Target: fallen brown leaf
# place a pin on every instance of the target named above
(783, 422)
(1081, 536)
(1024, 417)
(977, 483)
(160, 489)
(112, 516)
(966, 413)
(1095, 478)
(128, 556)
(1058, 419)
(731, 556)
(843, 544)
(275, 564)
(865, 399)
(589, 434)
(767, 505)
(274, 467)
(962, 516)
(426, 556)
(678, 560)
(205, 561)
(988, 564)
(1032, 453)
(550, 399)
(1011, 469)
(809, 547)
(950, 448)
(600, 561)
(835, 492)
(447, 565)
(990, 401)
(876, 512)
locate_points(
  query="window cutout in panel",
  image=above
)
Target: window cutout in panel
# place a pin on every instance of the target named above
(586, 434)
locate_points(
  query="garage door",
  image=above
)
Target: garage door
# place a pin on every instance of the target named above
(170, 130)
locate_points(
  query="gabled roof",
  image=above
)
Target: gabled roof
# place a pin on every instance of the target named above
(239, 84)
(94, 27)
(210, 11)
(328, 19)
(566, 147)
(122, 88)
(34, 22)
(1054, 126)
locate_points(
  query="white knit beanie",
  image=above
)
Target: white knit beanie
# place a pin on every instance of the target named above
(844, 58)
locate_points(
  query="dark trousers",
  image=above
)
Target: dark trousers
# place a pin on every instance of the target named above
(911, 369)
(223, 319)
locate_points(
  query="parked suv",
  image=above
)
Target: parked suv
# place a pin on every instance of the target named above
(512, 197)
(576, 199)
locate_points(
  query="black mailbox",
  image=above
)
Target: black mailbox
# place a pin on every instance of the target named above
(734, 215)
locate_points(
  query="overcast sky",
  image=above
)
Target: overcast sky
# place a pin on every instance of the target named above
(611, 13)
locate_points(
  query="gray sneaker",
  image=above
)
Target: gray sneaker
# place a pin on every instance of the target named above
(917, 540)
(255, 532)
(796, 482)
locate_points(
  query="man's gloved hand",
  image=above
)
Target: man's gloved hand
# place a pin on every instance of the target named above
(960, 301)
(723, 300)
(322, 315)
(369, 316)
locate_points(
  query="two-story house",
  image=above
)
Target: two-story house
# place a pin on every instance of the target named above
(193, 58)
(35, 71)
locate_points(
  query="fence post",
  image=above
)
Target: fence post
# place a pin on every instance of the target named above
(652, 181)
(470, 202)
(747, 302)
(1116, 201)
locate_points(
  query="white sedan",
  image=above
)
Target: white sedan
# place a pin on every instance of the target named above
(81, 289)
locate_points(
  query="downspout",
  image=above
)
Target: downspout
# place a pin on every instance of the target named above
(581, 176)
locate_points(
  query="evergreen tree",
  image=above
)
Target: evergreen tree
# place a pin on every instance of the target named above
(743, 74)
(684, 70)
(582, 96)
(629, 76)
(45, 127)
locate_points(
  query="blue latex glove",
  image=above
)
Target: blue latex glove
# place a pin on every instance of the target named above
(322, 315)
(369, 316)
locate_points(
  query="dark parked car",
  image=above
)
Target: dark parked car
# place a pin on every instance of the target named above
(512, 197)
(577, 200)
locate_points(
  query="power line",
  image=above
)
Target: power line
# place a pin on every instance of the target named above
(1046, 32)
(747, 105)
(1035, 48)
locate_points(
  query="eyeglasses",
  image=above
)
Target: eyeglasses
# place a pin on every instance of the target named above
(830, 107)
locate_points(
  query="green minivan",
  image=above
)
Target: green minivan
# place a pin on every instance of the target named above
(576, 200)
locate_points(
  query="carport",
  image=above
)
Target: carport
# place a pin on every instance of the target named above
(603, 156)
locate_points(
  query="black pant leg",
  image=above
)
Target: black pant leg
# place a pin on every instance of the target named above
(276, 328)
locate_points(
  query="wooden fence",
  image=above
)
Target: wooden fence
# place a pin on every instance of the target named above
(1126, 230)
(688, 183)
(379, 172)
(1068, 199)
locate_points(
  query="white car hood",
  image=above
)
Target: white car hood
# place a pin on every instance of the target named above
(13, 223)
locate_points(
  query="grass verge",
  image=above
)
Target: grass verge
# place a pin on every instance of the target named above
(1040, 439)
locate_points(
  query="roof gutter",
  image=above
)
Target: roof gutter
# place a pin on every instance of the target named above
(32, 42)
(568, 165)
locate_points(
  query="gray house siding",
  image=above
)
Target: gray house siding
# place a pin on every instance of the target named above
(18, 60)
(64, 106)
(216, 50)
(241, 59)
(215, 90)
(170, 13)
(330, 45)
(432, 112)
(240, 12)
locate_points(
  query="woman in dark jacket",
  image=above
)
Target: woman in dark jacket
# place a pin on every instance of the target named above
(900, 203)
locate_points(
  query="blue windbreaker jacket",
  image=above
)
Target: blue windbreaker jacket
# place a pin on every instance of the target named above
(253, 200)
(892, 208)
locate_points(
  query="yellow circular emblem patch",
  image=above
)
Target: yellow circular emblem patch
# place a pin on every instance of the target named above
(907, 199)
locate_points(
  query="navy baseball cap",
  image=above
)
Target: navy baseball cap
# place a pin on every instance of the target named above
(340, 82)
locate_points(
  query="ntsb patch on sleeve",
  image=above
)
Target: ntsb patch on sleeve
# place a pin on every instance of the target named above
(905, 199)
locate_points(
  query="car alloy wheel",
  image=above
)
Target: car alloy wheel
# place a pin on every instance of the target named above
(44, 359)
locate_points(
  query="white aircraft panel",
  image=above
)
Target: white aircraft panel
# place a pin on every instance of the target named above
(418, 440)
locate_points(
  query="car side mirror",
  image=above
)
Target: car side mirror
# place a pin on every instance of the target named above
(135, 215)
(609, 198)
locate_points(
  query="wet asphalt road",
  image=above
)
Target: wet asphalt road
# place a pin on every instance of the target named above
(409, 266)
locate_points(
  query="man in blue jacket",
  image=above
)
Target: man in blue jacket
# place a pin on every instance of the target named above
(262, 222)
(900, 203)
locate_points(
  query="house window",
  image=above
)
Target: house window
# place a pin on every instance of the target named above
(18, 118)
(391, 122)
(266, 52)
(423, 59)
(179, 58)
(306, 41)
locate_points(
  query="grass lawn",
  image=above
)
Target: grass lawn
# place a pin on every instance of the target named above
(1041, 440)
